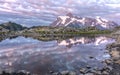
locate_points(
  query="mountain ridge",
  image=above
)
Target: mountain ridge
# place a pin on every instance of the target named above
(82, 22)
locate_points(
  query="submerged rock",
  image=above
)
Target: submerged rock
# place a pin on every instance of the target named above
(108, 61)
(88, 67)
(72, 73)
(83, 70)
(65, 72)
(89, 74)
(56, 73)
(91, 57)
(105, 73)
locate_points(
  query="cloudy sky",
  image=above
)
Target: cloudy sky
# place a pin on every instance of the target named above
(43, 12)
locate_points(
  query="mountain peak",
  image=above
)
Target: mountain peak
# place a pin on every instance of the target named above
(69, 14)
(82, 22)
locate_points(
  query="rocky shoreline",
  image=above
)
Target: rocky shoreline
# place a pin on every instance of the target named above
(114, 50)
(86, 71)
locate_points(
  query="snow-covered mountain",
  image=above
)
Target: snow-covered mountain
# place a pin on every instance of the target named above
(74, 21)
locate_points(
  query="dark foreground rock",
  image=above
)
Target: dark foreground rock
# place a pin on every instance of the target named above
(115, 70)
(15, 73)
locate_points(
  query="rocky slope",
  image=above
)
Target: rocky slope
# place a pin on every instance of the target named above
(11, 26)
(82, 22)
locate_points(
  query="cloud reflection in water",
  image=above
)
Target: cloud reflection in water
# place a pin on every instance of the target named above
(41, 57)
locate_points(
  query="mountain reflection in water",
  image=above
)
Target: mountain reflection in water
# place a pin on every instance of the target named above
(40, 57)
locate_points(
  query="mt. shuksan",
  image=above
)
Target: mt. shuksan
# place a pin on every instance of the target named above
(79, 22)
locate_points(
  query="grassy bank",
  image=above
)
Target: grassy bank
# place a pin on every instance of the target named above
(53, 33)
(59, 31)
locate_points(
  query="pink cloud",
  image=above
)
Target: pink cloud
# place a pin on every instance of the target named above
(38, 8)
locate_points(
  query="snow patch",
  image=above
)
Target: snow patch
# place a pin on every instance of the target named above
(64, 18)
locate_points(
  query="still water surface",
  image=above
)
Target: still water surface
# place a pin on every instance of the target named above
(41, 57)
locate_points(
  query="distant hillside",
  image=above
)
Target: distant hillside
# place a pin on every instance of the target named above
(11, 26)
